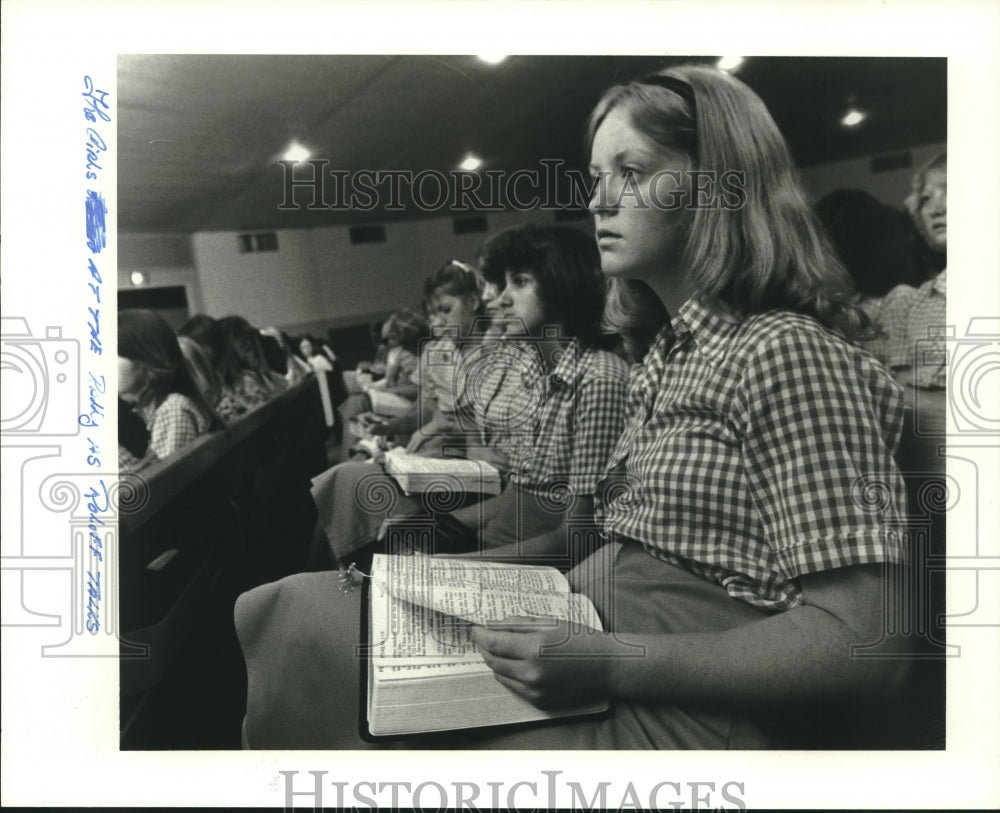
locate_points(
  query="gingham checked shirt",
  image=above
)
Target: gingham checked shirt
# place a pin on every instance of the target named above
(435, 373)
(757, 452)
(557, 430)
(913, 322)
(175, 423)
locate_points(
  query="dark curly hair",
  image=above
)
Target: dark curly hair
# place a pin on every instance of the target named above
(567, 268)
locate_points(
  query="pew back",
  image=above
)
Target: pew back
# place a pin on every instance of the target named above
(229, 511)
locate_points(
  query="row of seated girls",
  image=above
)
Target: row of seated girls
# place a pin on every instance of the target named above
(912, 318)
(897, 258)
(173, 388)
(544, 407)
(385, 389)
(727, 476)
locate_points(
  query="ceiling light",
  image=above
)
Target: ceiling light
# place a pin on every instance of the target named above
(492, 59)
(138, 278)
(853, 118)
(471, 163)
(296, 152)
(729, 63)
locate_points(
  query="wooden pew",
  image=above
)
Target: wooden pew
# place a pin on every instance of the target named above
(228, 512)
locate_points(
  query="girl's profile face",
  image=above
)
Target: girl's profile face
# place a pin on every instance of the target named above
(520, 304)
(306, 348)
(491, 306)
(131, 379)
(490, 295)
(448, 309)
(636, 205)
(933, 208)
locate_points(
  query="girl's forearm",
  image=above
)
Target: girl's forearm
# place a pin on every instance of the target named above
(802, 654)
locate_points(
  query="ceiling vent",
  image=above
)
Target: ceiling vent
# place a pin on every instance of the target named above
(253, 243)
(887, 163)
(470, 225)
(367, 234)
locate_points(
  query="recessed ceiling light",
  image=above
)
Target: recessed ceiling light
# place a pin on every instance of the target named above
(729, 63)
(296, 152)
(853, 118)
(471, 163)
(492, 59)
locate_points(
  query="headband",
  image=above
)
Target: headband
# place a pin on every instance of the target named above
(678, 86)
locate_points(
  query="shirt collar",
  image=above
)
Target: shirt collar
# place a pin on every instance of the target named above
(939, 284)
(710, 329)
(565, 369)
(528, 365)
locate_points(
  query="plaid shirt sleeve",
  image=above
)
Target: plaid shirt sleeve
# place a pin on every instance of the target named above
(600, 417)
(892, 317)
(176, 423)
(819, 433)
(129, 462)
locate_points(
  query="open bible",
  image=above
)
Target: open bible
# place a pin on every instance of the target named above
(424, 673)
(416, 473)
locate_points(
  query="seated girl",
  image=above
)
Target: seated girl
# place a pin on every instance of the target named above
(343, 494)
(207, 380)
(295, 369)
(154, 379)
(554, 409)
(744, 557)
(243, 369)
(394, 394)
(454, 304)
(313, 353)
(913, 319)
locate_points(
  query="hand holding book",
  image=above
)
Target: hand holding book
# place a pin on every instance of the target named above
(428, 671)
(551, 664)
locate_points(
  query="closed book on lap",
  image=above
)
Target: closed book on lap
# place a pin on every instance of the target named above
(416, 473)
(423, 673)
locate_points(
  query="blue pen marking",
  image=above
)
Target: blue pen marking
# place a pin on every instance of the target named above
(94, 322)
(93, 601)
(96, 210)
(97, 387)
(96, 111)
(94, 451)
(97, 504)
(95, 146)
(95, 106)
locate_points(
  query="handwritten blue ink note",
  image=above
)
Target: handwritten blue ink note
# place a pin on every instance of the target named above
(96, 211)
(96, 104)
(93, 601)
(95, 111)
